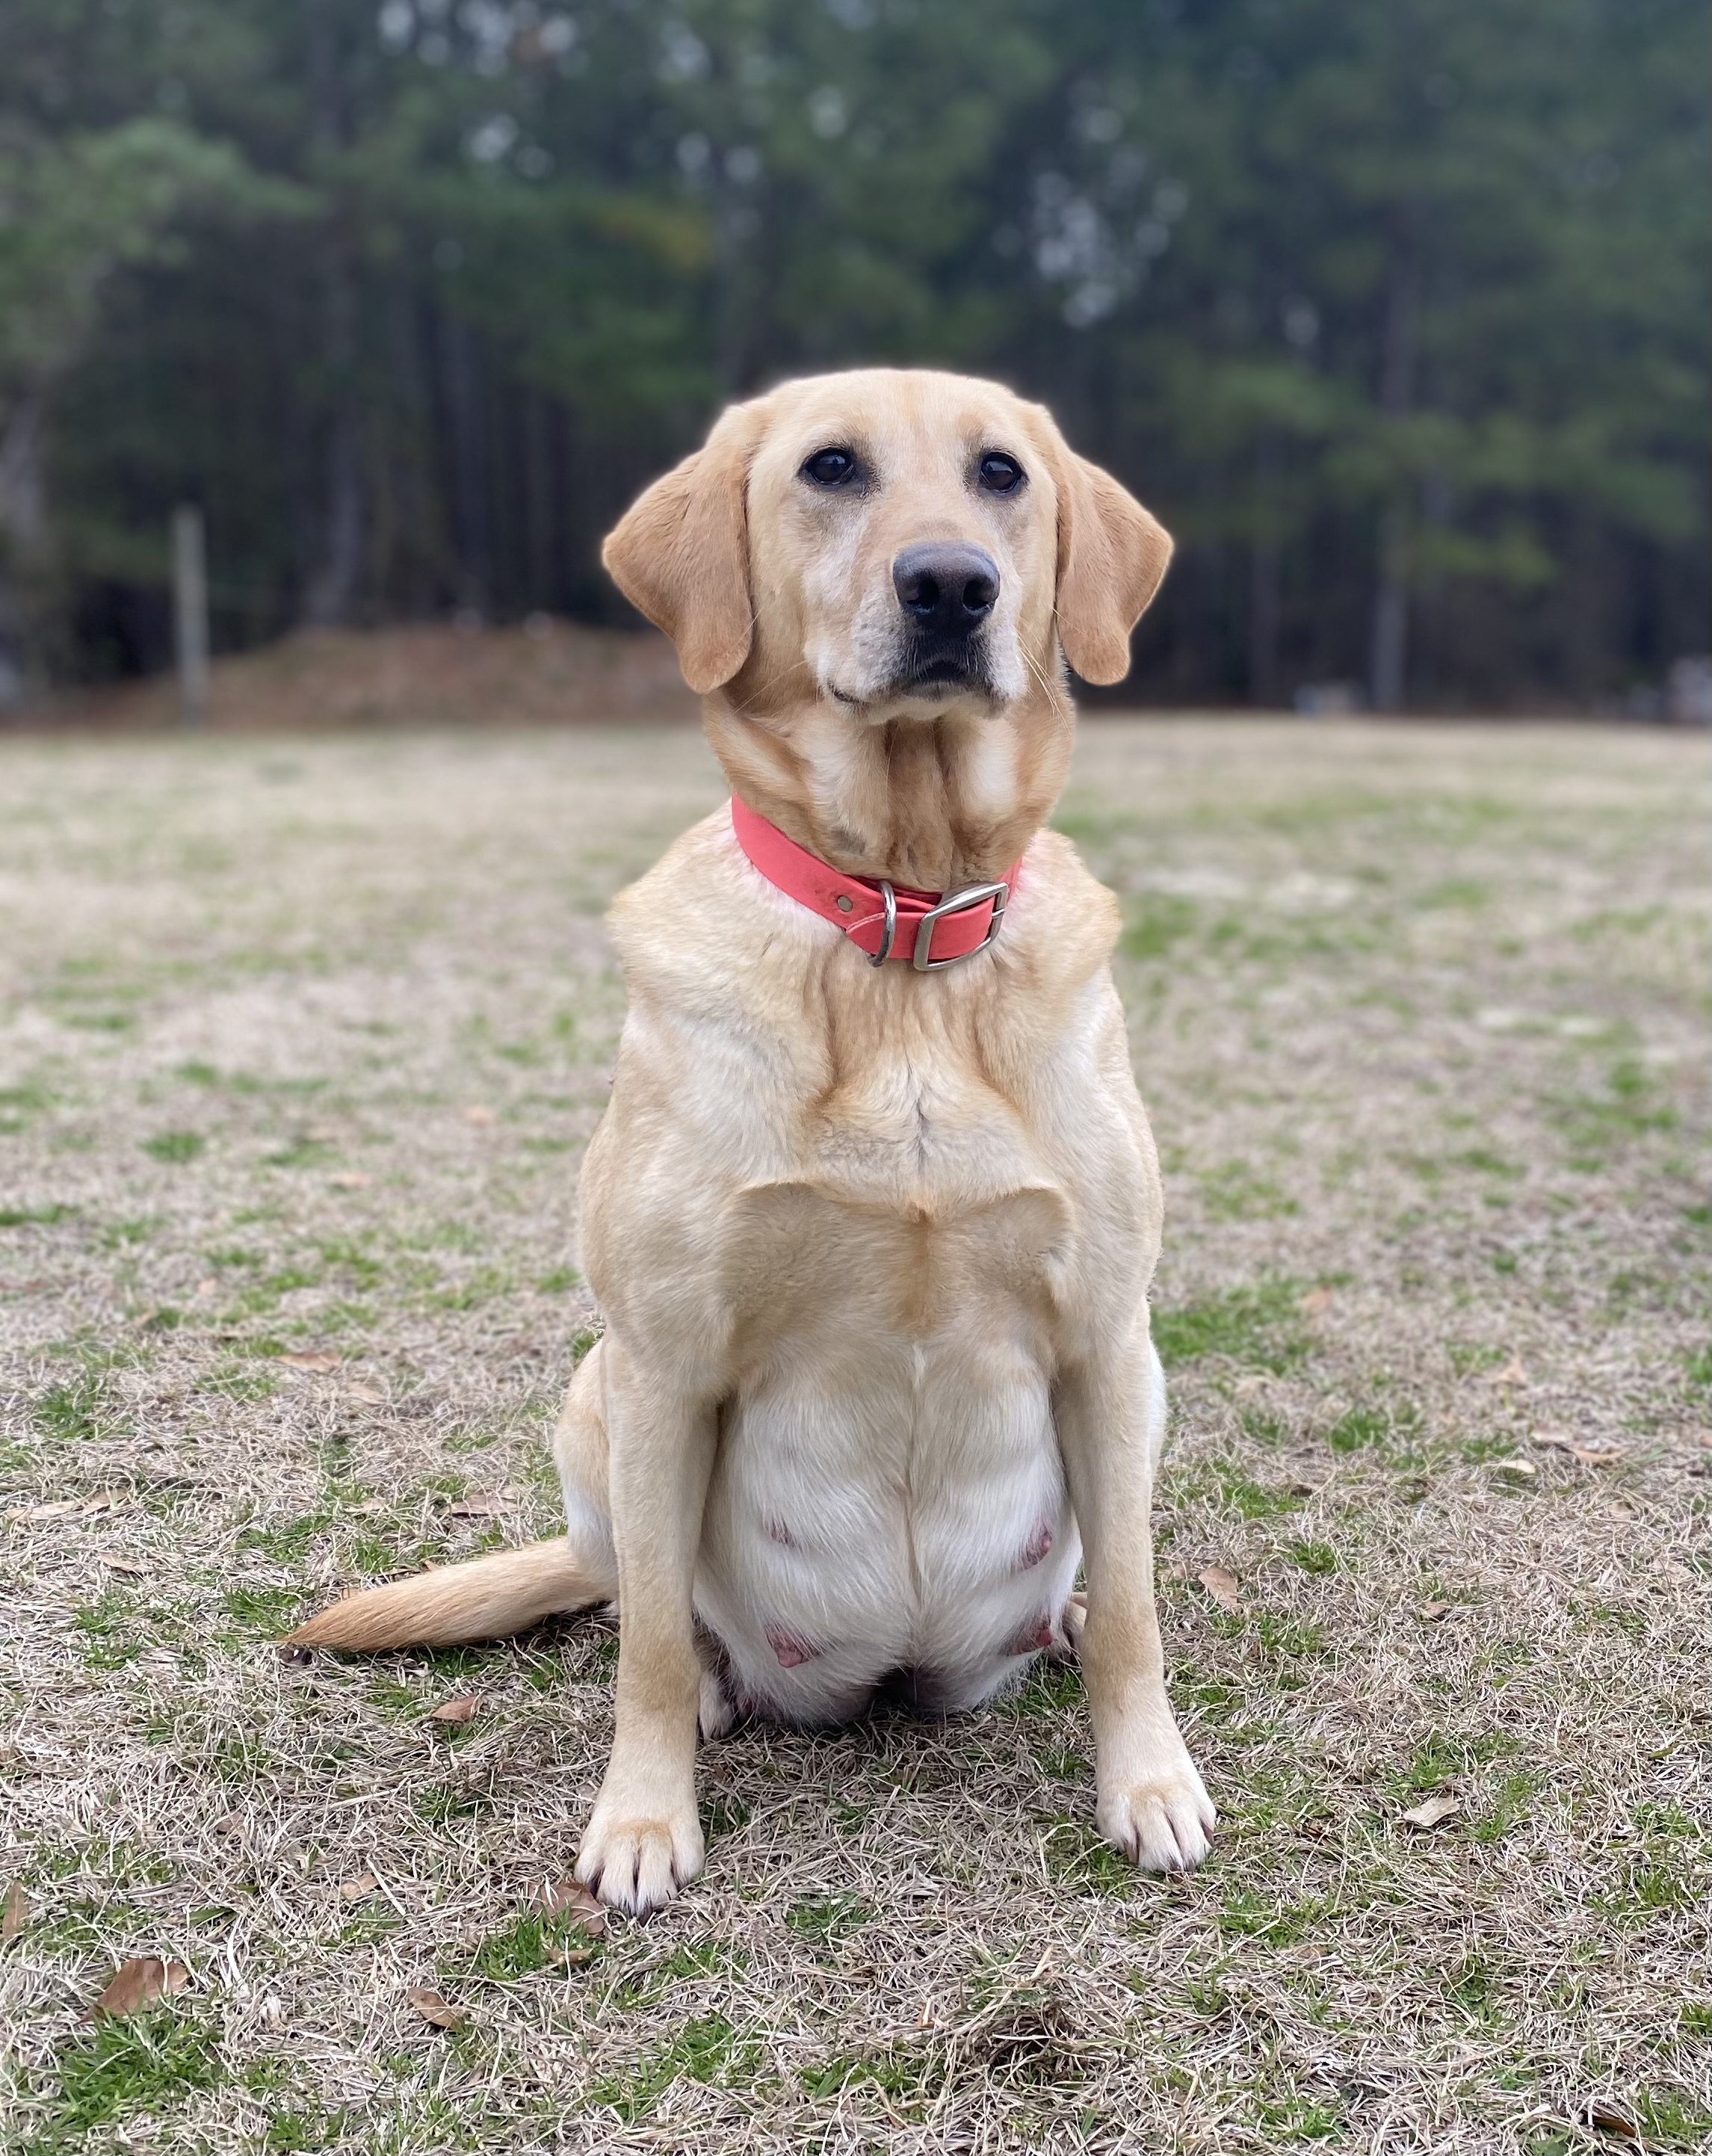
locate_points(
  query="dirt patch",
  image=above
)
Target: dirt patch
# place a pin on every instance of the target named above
(545, 673)
(301, 1042)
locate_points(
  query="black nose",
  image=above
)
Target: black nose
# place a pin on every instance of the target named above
(946, 589)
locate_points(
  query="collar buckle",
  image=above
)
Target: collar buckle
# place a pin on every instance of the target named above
(955, 901)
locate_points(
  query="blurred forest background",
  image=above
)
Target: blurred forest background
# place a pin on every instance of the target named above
(1398, 314)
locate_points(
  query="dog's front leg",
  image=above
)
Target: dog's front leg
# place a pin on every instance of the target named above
(1151, 1802)
(644, 1841)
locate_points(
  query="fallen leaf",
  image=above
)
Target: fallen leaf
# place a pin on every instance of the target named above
(478, 1114)
(1525, 1468)
(569, 1897)
(1432, 1611)
(1434, 1812)
(205, 1288)
(55, 1510)
(103, 1502)
(1222, 1586)
(1316, 1300)
(358, 1887)
(455, 1710)
(14, 1913)
(371, 1393)
(1604, 2117)
(140, 1982)
(313, 1358)
(135, 1566)
(476, 1508)
(1584, 1455)
(1509, 1373)
(433, 2008)
(356, 1180)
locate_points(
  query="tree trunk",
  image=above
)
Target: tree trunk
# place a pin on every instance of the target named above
(1388, 647)
(1264, 566)
(333, 582)
(23, 523)
(472, 525)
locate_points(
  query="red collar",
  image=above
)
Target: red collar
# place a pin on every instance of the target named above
(883, 920)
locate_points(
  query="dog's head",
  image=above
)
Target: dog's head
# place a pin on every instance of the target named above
(893, 545)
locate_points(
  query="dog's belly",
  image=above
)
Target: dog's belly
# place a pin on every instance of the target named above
(888, 1494)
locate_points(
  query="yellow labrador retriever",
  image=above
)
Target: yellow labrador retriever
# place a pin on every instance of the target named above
(873, 1212)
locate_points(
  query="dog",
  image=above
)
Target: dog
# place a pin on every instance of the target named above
(872, 1215)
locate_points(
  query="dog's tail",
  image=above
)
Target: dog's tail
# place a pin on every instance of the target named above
(488, 1599)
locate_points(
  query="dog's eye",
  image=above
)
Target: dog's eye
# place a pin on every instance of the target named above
(999, 474)
(830, 468)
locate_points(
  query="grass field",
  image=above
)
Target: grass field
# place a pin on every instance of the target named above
(301, 1043)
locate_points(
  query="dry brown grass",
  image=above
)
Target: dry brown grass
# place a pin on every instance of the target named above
(302, 1042)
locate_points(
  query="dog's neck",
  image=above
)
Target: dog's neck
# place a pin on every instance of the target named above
(930, 804)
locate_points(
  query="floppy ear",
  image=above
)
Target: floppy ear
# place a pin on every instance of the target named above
(1112, 556)
(681, 555)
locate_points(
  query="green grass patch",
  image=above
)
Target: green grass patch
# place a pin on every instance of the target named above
(828, 1919)
(18, 1104)
(1666, 1868)
(531, 1943)
(1258, 1328)
(708, 2049)
(1272, 1920)
(1319, 1558)
(1158, 921)
(300, 1153)
(904, 2072)
(1050, 1691)
(1235, 1192)
(293, 2133)
(1388, 1427)
(35, 1216)
(147, 2063)
(231, 1380)
(105, 1629)
(71, 1411)
(1511, 1805)
(1079, 1857)
(1297, 2116)
(288, 1543)
(267, 1611)
(176, 1146)
(1630, 1107)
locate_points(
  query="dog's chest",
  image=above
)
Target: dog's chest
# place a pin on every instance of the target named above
(913, 1197)
(920, 1127)
(888, 1491)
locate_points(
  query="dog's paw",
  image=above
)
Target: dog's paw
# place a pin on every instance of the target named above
(637, 1864)
(1163, 1822)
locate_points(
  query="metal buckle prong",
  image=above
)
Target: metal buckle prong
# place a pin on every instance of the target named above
(890, 930)
(959, 901)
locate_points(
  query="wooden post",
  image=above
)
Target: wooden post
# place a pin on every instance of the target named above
(190, 613)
